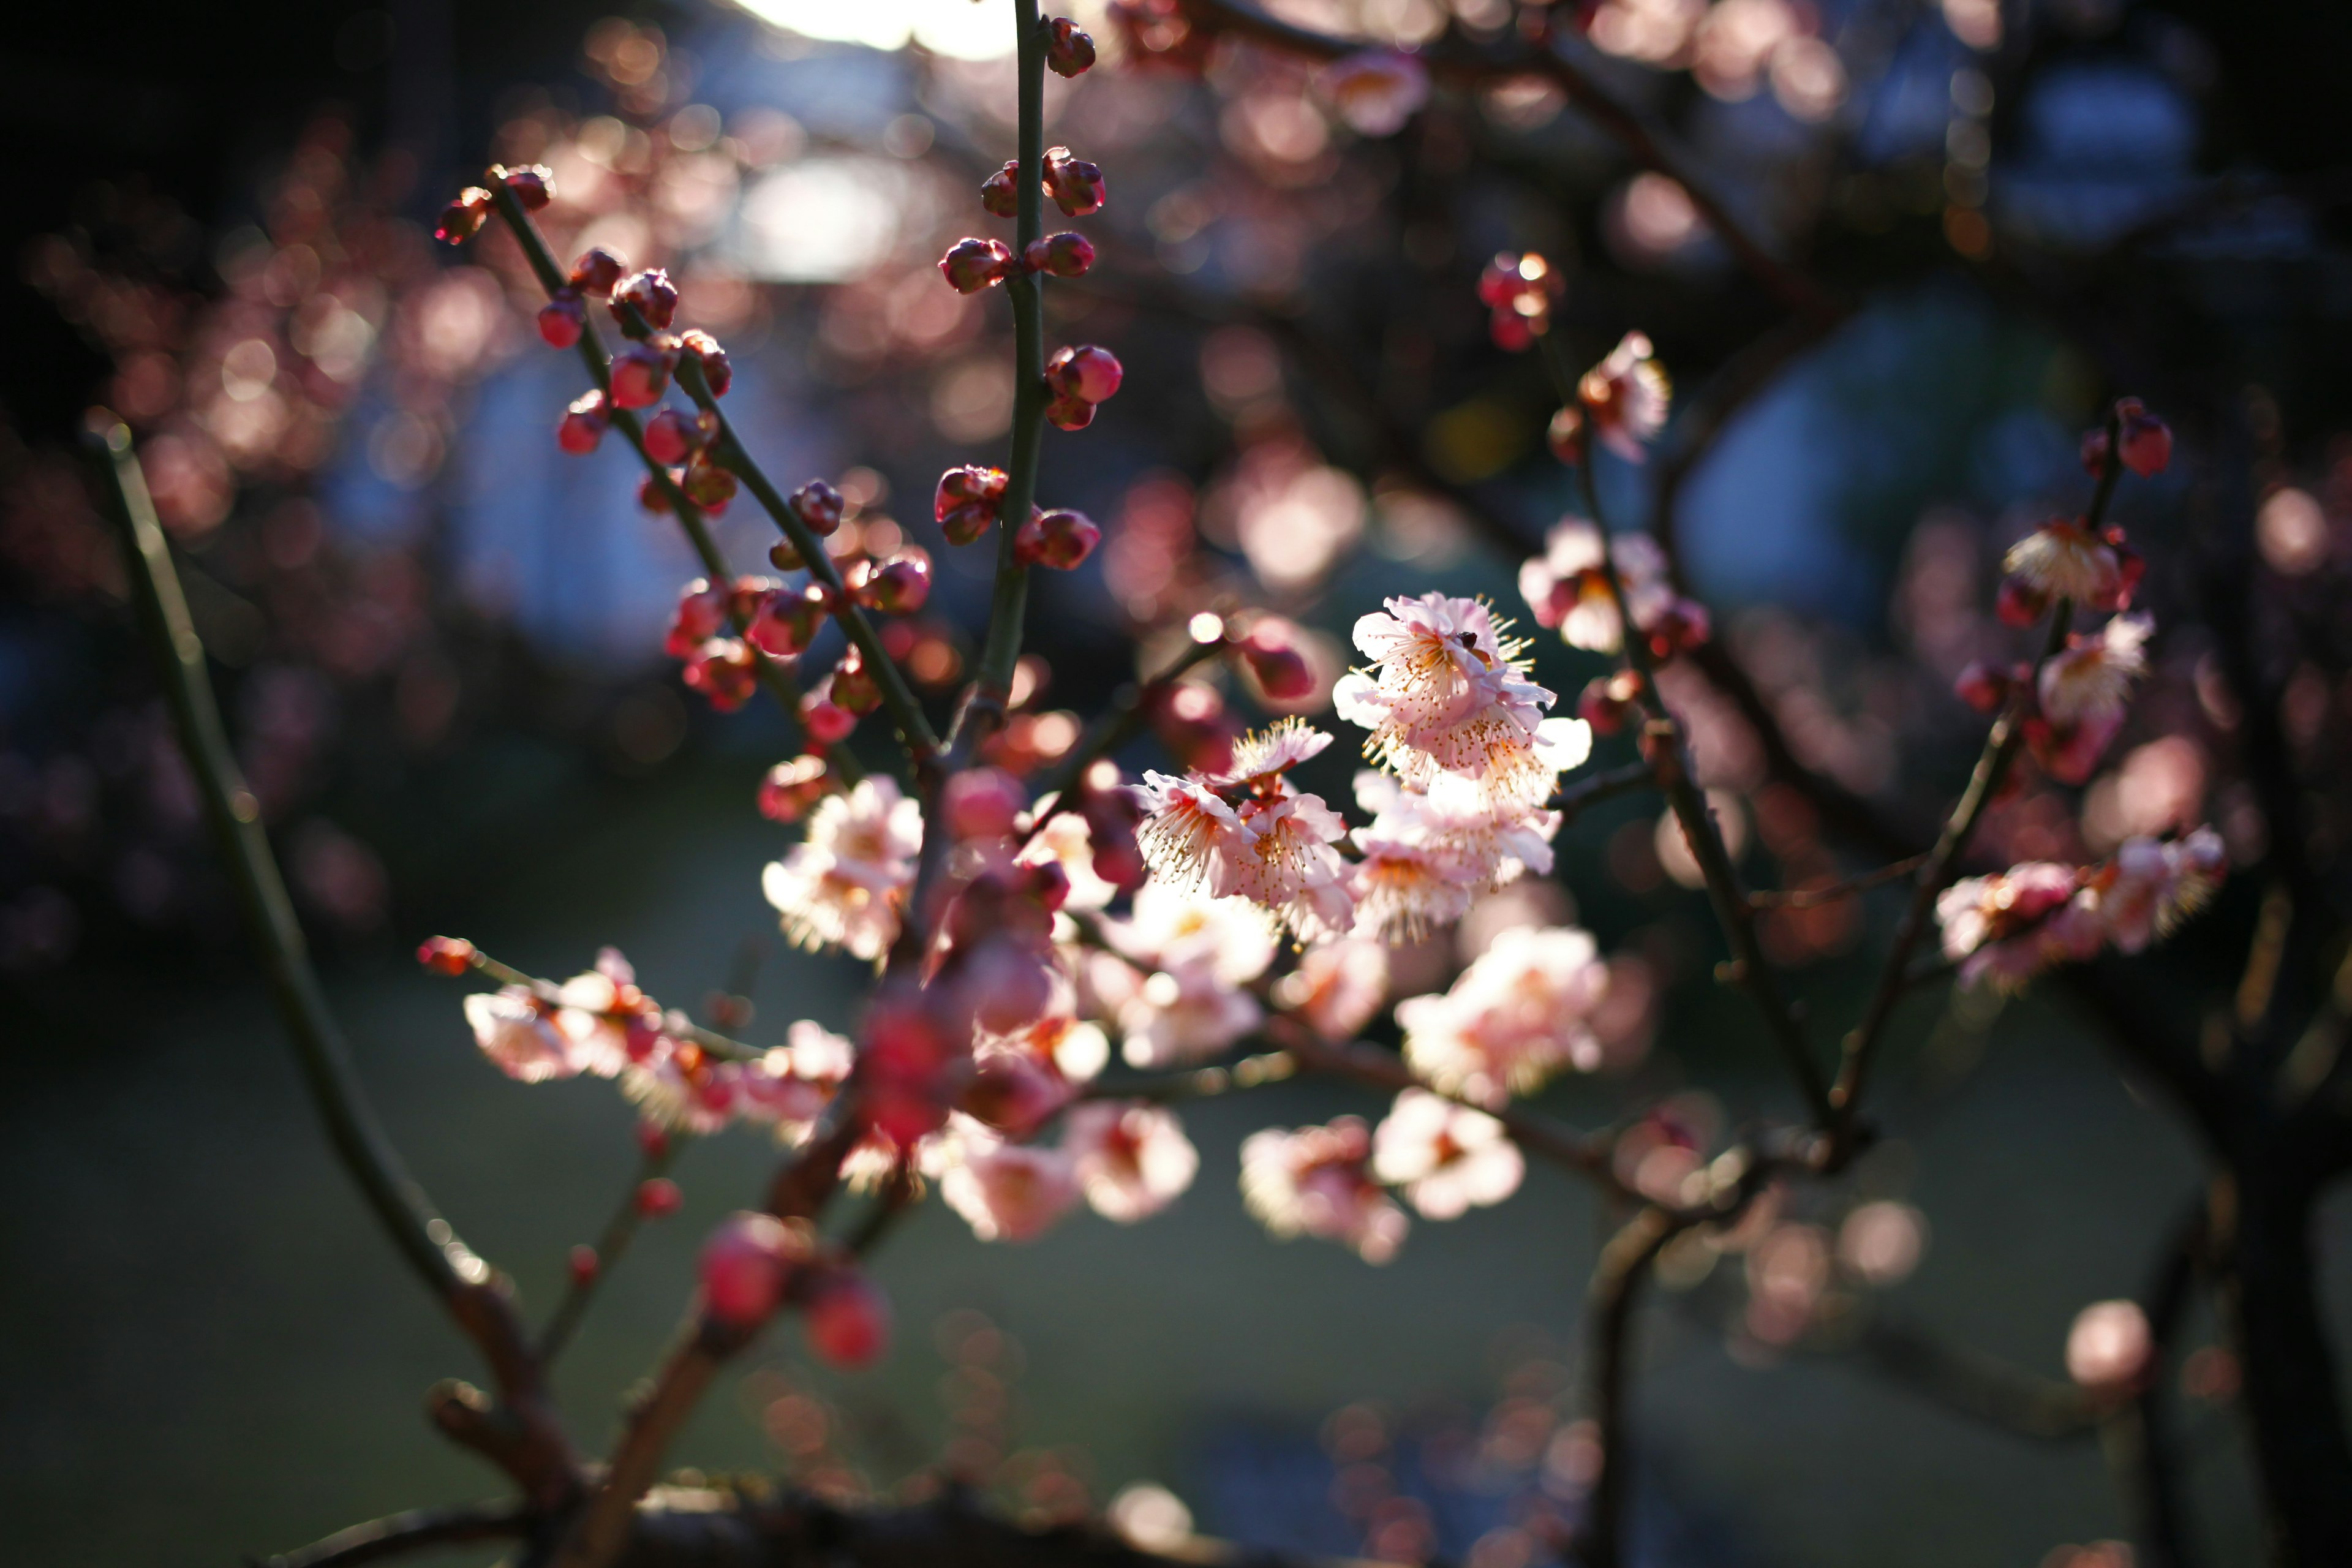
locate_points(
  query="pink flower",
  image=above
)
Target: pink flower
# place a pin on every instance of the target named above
(1446, 1158)
(2151, 886)
(1337, 987)
(1519, 1013)
(841, 887)
(1262, 756)
(1567, 588)
(1132, 1160)
(515, 1032)
(1190, 839)
(1625, 396)
(2091, 679)
(1008, 1191)
(2064, 560)
(1313, 1182)
(1292, 869)
(1375, 90)
(1979, 910)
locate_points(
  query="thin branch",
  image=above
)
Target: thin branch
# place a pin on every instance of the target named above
(1594, 788)
(1616, 1286)
(418, 1530)
(1980, 1386)
(1196, 1083)
(620, 1229)
(1815, 898)
(481, 1302)
(1121, 723)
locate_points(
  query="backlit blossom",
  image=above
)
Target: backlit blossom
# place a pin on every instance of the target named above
(1446, 693)
(1975, 910)
(1132, 1160)
(2151, 886)
(2064, 560)
(1520, 1012)
(1337, 987)
(605, 1019)
(1183, 1014)
(515, 1032)
(1405, 885)
(2007, 928)
(2091, 679)
(1375, 90)
(1007, 1192)
(1291, 868)
(1445, 1158)
(1420, 845)
(1313, 1181)
(1567, 588)
(1260, 756)
(1190, 839)
(1066, 840)
(1625, 396)
(842, 885)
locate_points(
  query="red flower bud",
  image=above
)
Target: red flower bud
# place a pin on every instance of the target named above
(972, 265)
(725, 671)
(584, 425)
(563, 319)
(744, 1267)
(854, 687)
(582, 1263)
(597, 270)
(717, 372)
(791, 788)
(649, 296)
(658, 1198)
(827, 723)
(1064, 255)
(819, 507)
(640, 377)
(653, 1139)
(982, 802)
(900, 585)
(1088, 372)
(462, 218)
(671, 438)
(1271, 650)
(2148, 440)
(967, 500)
(2095, 451)
(1066, 413)
(847, 1320)
(1075, 186)
(785, 622)
(1061, 539)
(1000, 194)
(533, 186)
(654, 495)
(1068, 51)
(2019, 605)
(1982, 686)
(1600, 706)
(451, 955)
(708, 485)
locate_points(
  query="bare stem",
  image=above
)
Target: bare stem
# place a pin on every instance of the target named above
(620, 1229)
(1616, 1284)
(418, 1530)
(1815, 898)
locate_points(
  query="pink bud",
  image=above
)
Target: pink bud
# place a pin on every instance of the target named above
(1000, 194)
(1982, 686)
(708, 485)
(1062, 255)
(658, 1198)
(1087, 372)
(585, 426)
(791, 788)
(1272, 653)
(900, 585)
(847, 1320)
(654, 495)
(670, 437)
(650, 295)
(784, 623)
(1075, 186)
(653, 1139)
(701, 612)
(967, 501)
(1060, 540)
(597, 270)
(982, 802)
(533, 187)
(1067, 412)
(462, 218)
(2148, 440)
(561, 320)
(827, 723)
(819, 507)
(724, 671)
(717, 372)
(1068, 51)
(2095, 451)
(2019, 604)
(972, 265)
(640, 377)
(744, 1267)
(450, 955)
(1600, 707)
(854, 685)
(582, 1263)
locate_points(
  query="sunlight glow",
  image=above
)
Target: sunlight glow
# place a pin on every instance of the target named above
(960, 28)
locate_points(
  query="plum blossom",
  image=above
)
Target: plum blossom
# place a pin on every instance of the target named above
(1006, 1192)
(1375, 90)
(1445, 1158)
(1446, 693)
(2007, 928)
(1626, 396)
(1132, 1159)
(2090, 679)
(842, 885)
(1515, 1015)
(2150, 885)
(606, 1019)
(1245, 831)
(1313, 1181)
(1066, 840)
(1184, 1014)
(1568, 586)
(1190, 838)
(513, 1029)
(1337, 987)
(1424, 856)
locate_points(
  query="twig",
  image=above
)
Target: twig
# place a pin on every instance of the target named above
(1128, 715)
(620, 1229)
(1196, 1083)
(417, 1530)
(679, 1026)
(1977, 1385)
(1594, 788)
(1815, 898)
(1616, 1284)
(481, 1302)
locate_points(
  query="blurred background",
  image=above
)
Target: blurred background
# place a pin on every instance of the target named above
(439, 641)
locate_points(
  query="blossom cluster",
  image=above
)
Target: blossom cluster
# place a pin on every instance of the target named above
(2005, 929)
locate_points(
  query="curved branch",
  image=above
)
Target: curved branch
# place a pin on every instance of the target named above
(418, 1530)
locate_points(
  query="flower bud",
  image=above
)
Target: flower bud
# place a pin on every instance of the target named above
(983, 803)
(670, 437)
(563, 319)
(744, 1267)
(1075, 186)
(702, 613)
(708, 485)
(653, 1139)
(2146, 440)
(2018, 602)
(819, 507)
(785, 621)
(658, 1198)
(654, 495)
(717, 372)
(1271, 650)
(972, 265)
(847, 1320)
(640, 377)
(462, 218)
(1982, 686)
(597, 270)
(1000, 194)
(451, 955)
(724, 671)
(791, 788)
(900, 585)
(583, 426)
(1088, 371)
(854, 687)
(1064, 255)
(1565, 435)
(827, 723)
(583, 1263)
(1068, 50)
(967, 501)
(650, 295)
(1065, 412)
(533, 186)
(1061, 539)
(1191, 720)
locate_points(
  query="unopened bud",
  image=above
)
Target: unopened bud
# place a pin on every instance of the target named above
(726, 671)
(1271, 650)
(708, 485)
(653, 493)
(597, 270)
(854, 687)
(462, 218)
(650, 295)
(1065, 255)
(1982, 686)
(791, 788)
(658, 1198)
(744, 1267)
(717, 373)
(670, 437)
(1088, 372)
(1075, 186)
(900, 585)
(827, 723)
(1068, 50)
(533, 186)
(819, 507)
(584, 425)
(1065, 412)
(2018, 602)
(1000, 194)
(450, 955)
(2146, 440)
(582, 1263)
(786, 621)
(1060, 539)
(563, 319)
(653, 1139)
(972, 265)
(847, 1320)
(983, 803)
(640, 377)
